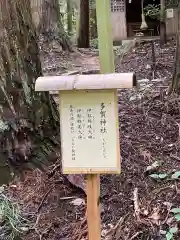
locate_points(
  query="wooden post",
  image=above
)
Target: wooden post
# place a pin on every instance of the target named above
(106, 56)
(104, 27)
(93, 209)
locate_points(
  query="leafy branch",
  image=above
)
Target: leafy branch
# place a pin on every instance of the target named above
(153, 11)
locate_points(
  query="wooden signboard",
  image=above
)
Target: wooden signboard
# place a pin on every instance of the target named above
(88, 120)
(89, 132)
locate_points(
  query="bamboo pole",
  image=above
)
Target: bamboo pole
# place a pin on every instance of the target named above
(106, 57)
(86, 82)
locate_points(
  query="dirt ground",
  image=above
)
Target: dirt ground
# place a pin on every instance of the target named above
(137, 203)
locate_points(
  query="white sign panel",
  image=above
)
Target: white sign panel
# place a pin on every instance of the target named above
(89, 132)
(169, 13)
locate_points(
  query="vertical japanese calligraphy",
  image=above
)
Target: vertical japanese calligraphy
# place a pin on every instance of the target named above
(90, 123)
(80, 123)
(103, 129)
(103, 120)
(89, 132)
(73, 152)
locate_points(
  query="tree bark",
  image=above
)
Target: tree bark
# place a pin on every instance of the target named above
(51, 26)
(175, 84)
(29, 120)
(83, 38)
(69, 17)
(163, 38)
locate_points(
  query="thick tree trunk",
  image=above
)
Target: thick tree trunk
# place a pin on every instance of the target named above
(51, 26)
(83, 37)
(29, 120)
(163, 38)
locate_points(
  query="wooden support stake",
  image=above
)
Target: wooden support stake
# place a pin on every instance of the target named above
(93, 209)
(105, 39)
(106, 56)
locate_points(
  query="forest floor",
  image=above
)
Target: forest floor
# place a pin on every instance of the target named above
(138, 203)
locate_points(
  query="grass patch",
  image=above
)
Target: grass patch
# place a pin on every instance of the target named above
(12, 223)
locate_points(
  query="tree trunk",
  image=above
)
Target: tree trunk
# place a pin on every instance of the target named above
(175, 84)
(69, 17)
(163, 38)
(83, 38)
(29, 120)
(51, 26)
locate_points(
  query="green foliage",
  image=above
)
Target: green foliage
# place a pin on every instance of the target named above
(173, 230)
(177, 217)
(159, 175)
(92, 21)
(170, 233)
(64, 17)
(175, 210)
(152, 11)
(172, 3)
(92, 4)
(169, 236)
(176, 175)
(11, 221)
(94, 43)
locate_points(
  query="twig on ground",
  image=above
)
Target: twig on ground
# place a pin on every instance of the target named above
(135, 235)
(35, 226)
(168, 211)
(43, 199)
(117, 228)
(136, 204)
(157, 191)
(175, 157)
(81, 230)
(47, 230)
(177, 189)
(67, 198)
(52, 172)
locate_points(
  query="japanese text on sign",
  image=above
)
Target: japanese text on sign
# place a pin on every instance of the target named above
(88, 126)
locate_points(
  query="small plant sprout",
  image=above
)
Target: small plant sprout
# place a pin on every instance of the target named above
(175, 175)
(171, 232)
(159, 175)
(176, 213)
